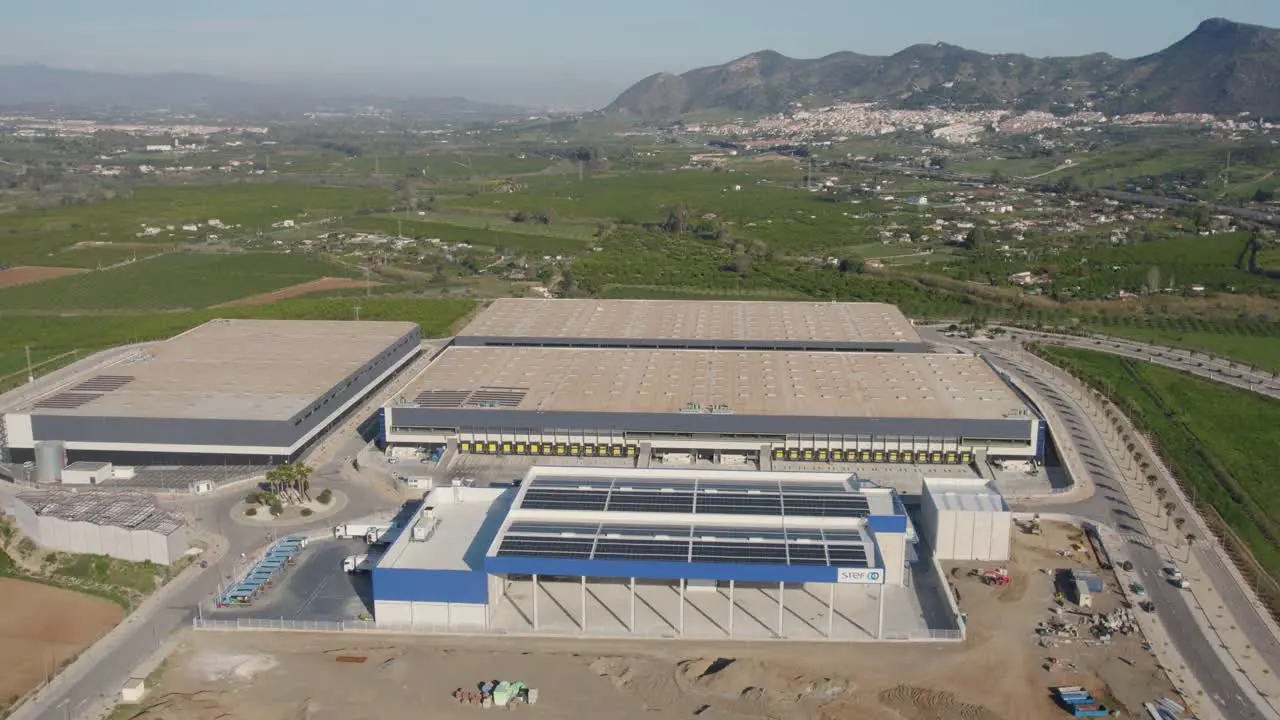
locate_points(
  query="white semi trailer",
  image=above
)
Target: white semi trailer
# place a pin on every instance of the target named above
(357, 563)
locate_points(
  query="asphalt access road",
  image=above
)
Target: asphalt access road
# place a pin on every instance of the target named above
(315, 588)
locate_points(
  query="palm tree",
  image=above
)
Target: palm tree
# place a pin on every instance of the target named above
(1178, 522)
(1191, 539)
(1169, 507)
(1162, 493)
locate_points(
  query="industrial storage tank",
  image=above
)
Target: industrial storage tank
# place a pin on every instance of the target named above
(51, 458)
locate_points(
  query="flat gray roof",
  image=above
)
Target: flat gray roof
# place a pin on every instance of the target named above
(460, 524)
(229, 369)
(813, 384)
(755, 321)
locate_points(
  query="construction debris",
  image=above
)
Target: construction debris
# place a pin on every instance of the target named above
(497, 693)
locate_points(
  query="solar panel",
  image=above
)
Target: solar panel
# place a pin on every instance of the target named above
(536, 528)
(806, 554)
(67, 400)
(724, 533)
(674, 550)
(816, 488)
(758, 553)
(798, 534)
(535, 499)
(739, 504)
(842, 535)
(645, 531)
(737, 487)
(556, 482)
(834, 506)
(560, 547)
(650, 502)
(847, 554)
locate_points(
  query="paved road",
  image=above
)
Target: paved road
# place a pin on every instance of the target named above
(1206, 366)
(1112, 505)
(315, 588)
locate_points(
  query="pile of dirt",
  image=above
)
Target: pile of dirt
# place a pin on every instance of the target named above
(738, 687)
(914, 703)
(731, 678)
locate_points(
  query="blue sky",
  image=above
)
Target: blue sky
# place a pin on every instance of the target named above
(574, 52)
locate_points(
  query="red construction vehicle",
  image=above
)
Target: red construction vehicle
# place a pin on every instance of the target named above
(999, 576)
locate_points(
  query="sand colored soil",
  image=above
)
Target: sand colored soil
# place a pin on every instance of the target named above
(43, 627)
(22, 275)
(306, 288)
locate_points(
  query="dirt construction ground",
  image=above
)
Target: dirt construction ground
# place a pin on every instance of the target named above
(998, 674)
(42, 627)
(306, 288)
(23, 275)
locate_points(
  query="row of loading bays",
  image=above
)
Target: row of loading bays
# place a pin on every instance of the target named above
(549, 449)
(919, 457)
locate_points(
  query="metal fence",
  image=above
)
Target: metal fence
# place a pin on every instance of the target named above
(369, 627)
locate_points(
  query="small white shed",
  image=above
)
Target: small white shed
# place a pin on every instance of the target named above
(966, 519)
(86, 473)
(132, 691)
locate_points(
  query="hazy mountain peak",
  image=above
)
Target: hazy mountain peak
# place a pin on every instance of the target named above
(1222, 67)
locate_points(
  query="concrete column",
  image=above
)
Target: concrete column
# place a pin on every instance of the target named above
(880, 620)
(535, 602)
(831, 610)
(730, 608)
(644, 454)
(781, 606)
(451, 445)
(766, 458)
(681, 607)
(583, 625)
(632, 626)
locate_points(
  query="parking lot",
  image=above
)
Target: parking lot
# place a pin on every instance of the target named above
(316, 588)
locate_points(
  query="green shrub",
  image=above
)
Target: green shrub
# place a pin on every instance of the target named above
(251, 511)
(325, 496)
(307, 512)
(276, 507)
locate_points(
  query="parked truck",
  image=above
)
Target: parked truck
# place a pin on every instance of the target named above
(357, 563)
(352, 531)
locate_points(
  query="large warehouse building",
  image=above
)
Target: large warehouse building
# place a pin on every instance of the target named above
(711, 553)
(727, 382)
(679, 324)
(227, 391)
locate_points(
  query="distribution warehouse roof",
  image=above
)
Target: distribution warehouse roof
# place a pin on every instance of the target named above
(715, 518)
(765, 323)
(785, 383)
(232, 369)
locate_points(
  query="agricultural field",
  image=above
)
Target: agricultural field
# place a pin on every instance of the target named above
(169, 282)
(57, 340)
(39, 237)
(1219, 442)
(45, 628)
(500, 240)
(24, 275)
(752, 205)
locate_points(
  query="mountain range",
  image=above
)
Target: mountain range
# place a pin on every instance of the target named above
(1222, 68)
(39, 86)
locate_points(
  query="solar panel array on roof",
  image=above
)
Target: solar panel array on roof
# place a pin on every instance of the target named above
(686, 543)
(694, 497)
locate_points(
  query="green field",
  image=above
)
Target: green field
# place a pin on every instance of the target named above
(38, 237)
(1257, 344)
(1219, 441)
(64, 338)
(169, 282)
(507, 241)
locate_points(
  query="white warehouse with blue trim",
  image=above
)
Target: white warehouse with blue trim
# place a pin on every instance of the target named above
(664, 553)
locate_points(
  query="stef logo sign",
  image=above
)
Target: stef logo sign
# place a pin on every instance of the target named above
(860, 576)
